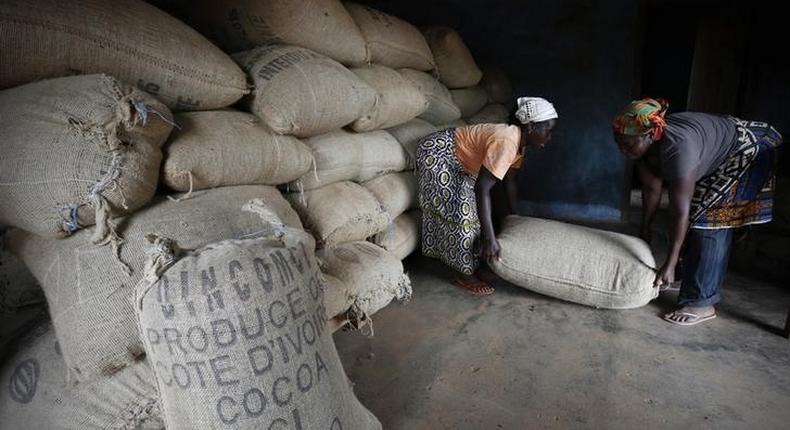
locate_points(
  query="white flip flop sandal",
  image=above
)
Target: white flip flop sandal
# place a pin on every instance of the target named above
(695, 319)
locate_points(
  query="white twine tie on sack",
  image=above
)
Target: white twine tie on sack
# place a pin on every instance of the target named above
(273, 225)
(105, 230)
(162, 253)
(143, 110)
(358, 319)
(300, 191)
(189, 192)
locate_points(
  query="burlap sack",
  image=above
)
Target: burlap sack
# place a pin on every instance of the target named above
(386, 157)
(441, 108)
(578, 264)
(301, 92)
(236, 333)
(496, 83)
(343, 156)
(338, 297)
(89, 290)
(76, 151)
(410, 135)
(454, 124)
(219, 148)
(396, 192)
(398, 99)
(37, 395)
(403, 236)
(373, 276)
(323, 26)
(469, 100)
(18, 287)
(391, 41)
(491, 114)
(340, 212)
(128, 39)
(457, 68)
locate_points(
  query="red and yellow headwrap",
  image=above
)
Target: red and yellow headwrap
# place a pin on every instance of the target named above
(641, 117)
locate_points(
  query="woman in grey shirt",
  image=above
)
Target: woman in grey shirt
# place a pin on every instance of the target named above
(719, 172)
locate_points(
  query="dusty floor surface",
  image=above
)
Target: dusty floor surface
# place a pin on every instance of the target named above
(517, 360)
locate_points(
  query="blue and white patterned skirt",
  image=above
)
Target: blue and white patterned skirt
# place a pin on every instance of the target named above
(450, 227)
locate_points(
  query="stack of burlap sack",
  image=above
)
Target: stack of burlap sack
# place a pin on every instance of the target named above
(133, 145)
(186, 218)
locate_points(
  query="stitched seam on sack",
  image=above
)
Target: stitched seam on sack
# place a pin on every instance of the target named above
(354, 220)
(203, 78)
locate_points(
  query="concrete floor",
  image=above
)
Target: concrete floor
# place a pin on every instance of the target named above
(517, 360)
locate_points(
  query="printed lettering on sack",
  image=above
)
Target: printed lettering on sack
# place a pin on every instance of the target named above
(282, 334)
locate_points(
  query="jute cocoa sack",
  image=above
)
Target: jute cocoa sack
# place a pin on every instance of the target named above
(236, 334)
(410, 135)
(402, 237)
(89, 290)
(397, 101)
(219, 148)
(321, 25)
(373, 276)
(128, 39)
(37, 394)
(469, 100)
(578, 264)
(77, 151)
(301, 92)
(344, 156)
(441, 108)
(496, 83)
(340, 212)
(391, 41)
(457, 68)
(453, 124)
(396, 192)
(491, 114)
(338, 297)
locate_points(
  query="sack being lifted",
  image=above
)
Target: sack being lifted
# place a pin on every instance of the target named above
(578, 264)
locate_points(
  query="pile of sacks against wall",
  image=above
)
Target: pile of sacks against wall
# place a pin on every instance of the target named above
(148, 116)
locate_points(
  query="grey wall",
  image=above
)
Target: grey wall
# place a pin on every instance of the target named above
(581, 55)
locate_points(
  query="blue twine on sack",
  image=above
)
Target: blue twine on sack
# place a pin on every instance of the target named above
(73, 224)
(143, 111)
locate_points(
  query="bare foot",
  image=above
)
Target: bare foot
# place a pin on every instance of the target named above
(474, 285)
(689, 315)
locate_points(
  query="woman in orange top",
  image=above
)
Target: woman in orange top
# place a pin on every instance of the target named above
(456, 170)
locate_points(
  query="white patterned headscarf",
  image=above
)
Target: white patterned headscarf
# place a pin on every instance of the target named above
(534, 109)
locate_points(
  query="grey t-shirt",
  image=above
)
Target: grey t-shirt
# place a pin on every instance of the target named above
(694, 144)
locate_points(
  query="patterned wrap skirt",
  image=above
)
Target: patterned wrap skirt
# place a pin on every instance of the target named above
(740, 191)
(450, 227)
